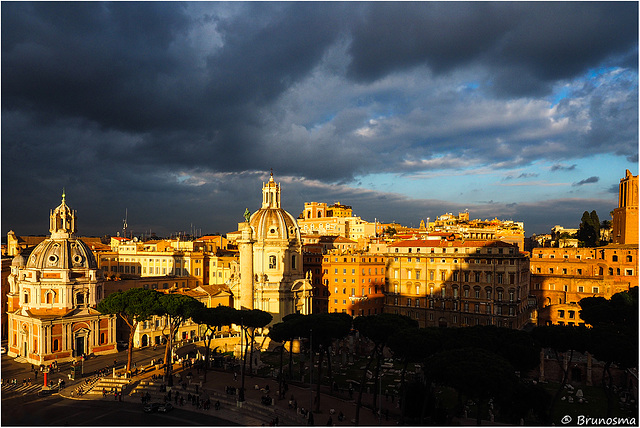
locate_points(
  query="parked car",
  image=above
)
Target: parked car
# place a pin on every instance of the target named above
(165, 407)
(151, 407)
(121, 344)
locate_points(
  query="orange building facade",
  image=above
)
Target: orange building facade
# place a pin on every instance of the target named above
(560, 277)
(353, 283)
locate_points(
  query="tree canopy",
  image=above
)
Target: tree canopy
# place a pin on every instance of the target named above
(132, 306)
(589, 231)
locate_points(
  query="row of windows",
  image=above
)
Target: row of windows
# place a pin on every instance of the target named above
(565, 271)
(465, 260)
(466, 250)
(353, 271)
(565, 288)
(454, 319)
(473, 276)
(353, 291)
(352, 259)
(431, 304)
(465, 292)
(614, 258)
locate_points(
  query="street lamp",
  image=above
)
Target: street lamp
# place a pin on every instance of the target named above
(310, 370)
(380, 398)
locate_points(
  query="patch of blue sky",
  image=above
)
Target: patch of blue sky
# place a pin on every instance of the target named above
(468, 87)
(559, 95)
(460, 187)
(321, 121)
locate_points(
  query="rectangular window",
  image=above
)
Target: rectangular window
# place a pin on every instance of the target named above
(580, 289)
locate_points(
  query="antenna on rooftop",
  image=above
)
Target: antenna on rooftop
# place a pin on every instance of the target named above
(124, 223)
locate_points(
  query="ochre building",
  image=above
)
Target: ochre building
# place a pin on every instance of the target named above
(458, 283)
(560, 277)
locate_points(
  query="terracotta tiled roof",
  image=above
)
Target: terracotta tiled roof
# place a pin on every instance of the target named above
(440, 243)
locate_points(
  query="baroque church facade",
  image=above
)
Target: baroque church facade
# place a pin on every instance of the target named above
(52, 298)
(271, 273)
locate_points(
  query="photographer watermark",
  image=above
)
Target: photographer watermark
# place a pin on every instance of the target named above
(582, 420)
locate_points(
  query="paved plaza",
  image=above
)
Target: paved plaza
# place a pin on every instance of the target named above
(189, 382)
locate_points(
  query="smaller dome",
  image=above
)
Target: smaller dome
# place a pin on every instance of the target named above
(18, 261)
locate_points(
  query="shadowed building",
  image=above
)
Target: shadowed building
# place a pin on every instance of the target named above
(458, 283)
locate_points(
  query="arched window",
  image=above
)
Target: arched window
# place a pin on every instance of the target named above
(79, 299)
(50, 297)
(614, 258)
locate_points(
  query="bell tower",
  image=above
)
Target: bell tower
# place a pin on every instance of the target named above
(625, 217)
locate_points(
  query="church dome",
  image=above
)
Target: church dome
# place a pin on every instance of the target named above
(271, 221)
(62, 250)
(65, 253)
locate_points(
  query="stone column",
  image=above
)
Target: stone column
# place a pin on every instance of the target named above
(245, 247)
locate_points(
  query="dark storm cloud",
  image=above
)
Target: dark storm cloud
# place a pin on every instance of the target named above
(525, 46)
(153, 106)
(589, 180)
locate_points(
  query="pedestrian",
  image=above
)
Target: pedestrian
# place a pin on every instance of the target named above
(235, 376)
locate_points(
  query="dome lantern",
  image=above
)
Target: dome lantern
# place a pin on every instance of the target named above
(62, 221)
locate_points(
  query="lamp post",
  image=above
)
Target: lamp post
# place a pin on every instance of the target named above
(241, 392)
(310, 370)
(380, 398)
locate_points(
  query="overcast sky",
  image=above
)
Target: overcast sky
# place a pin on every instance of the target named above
(175, 112)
